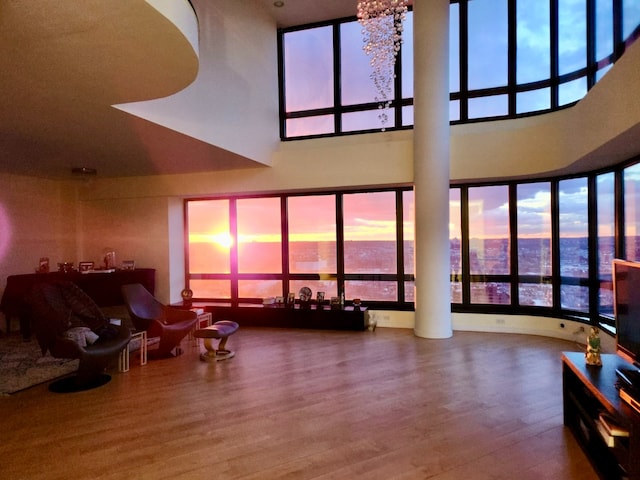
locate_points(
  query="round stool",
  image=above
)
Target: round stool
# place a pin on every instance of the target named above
(220, 330)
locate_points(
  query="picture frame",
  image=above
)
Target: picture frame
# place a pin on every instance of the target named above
(85, 266)
(128, 264)
(43, 265)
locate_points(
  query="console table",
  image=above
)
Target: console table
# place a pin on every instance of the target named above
(314, 316)
(588, 391)
(103, 288)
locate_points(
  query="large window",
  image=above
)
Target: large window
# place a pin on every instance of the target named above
(538, 247)
(507, 58)
(247, 249)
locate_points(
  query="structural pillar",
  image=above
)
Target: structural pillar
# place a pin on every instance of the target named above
(431, 168)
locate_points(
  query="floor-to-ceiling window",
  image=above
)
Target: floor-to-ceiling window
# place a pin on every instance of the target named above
(538, 247)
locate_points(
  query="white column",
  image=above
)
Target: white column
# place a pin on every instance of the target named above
(431, 168)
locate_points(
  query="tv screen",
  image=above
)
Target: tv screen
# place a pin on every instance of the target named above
(626, 304)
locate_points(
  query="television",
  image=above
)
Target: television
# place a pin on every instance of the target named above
(626, 308)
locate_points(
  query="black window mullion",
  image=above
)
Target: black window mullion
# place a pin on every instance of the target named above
(620, 248)
(512, 53)
(591, 44)
(233, 251)
(284, 218)
(554, 54)
(340, 241)
(400, 245)
(513, 233)
(281, 86)
(463, 30)
(555, 245)
(464, 227)
(592, 241)
(337, 77)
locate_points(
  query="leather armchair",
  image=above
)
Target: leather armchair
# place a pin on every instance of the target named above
(58, 308)
(159, 320)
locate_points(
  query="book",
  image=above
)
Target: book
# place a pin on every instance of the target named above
(612, 426)
(609, 439)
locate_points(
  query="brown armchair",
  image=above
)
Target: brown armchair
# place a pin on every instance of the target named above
(159, 320)
(69, 324)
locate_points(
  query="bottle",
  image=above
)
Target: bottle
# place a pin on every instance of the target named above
(341, 298)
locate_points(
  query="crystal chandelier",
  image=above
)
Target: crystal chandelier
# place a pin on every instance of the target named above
(381, 22)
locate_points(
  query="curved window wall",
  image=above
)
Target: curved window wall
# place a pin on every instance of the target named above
(508, 58)
(542, 247)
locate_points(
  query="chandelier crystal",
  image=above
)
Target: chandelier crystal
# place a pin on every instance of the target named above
(381, 22)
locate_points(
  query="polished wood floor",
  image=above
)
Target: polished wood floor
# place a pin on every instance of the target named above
(301, 404)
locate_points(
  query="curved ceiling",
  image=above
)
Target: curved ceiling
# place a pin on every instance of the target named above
(64, 64)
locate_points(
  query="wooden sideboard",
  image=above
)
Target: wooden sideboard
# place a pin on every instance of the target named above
(103, 288)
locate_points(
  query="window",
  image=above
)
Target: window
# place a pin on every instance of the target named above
(538, 63)
(455, 244)
(489, 244)
(632, 212)
(534, 244)
(606, 250)
(574, 251)
(519, 247)
(246, 249)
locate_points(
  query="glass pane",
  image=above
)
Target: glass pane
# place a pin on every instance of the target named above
(407, 57)
(533, 41)
(300, 127)
(259, 235)
(455, 244)
(632, 212)
(574, 297)
(489, 230)
(329, 287)
(372, 291)
(259, 288)
(209, 238)
(408, 225)
(574, 253)
(534, 228)
(573, 91)
(493, 293)
(211, 288)
(533, 100)
(572, 34)
(487, 44)
(534, 243)
(356, 84)
(606, 240)
(409, 291)
(535, 294)
(308, 55)
(454, 47)
(312, 234)
(493, 106)
(454, 110)
(368, 120)
(370, 233)
(407, 116)
(604, 29)
(630, 17)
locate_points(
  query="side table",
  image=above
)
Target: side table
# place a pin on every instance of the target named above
(204, 321)
(123, 361)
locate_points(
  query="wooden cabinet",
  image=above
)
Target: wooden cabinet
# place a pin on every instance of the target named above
(103, 288)
(587, 392)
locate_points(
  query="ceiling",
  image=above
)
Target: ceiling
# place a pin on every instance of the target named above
(64, 66)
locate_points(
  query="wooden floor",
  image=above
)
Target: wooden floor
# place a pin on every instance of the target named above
(302, 404)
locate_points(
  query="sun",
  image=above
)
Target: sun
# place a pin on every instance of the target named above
(223, 240)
